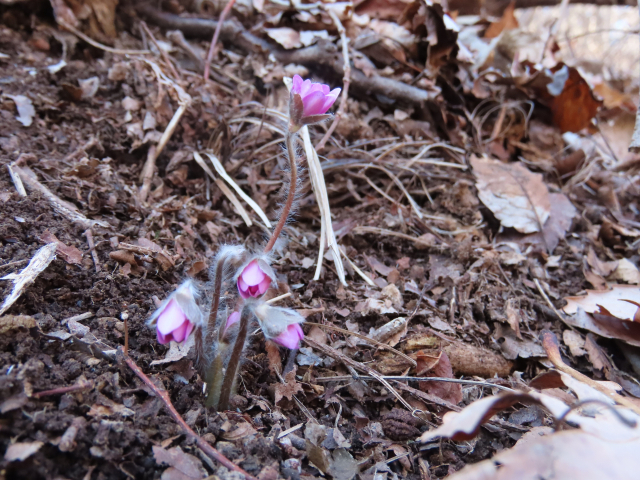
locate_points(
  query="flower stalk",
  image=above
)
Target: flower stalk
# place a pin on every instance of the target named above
(214, 372)
(293, 180)
(234, 360)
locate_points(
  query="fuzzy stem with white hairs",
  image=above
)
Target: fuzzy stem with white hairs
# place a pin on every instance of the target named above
(293, 180)
(213, 375)
(234, 360)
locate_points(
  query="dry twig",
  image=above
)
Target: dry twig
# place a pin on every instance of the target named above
(83, 385)
(100, 46)
(350, 362)
(92, 248)
(216, 34)
(346, 79)
(163, 395)
(384, 346)
(317, 56)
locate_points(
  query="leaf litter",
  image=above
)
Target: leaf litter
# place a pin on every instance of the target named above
(473, 181)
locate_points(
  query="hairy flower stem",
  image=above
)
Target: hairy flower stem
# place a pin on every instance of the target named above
(292, 192)
(213, 376)
(234, 360)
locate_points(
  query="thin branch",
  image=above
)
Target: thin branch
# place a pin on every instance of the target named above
(346, 79)
(315, 56)
(343, 378)
(163, 395)
(367, 339)
(92, 248)
(162, 52)
(214, 40)
(62, 390)
(333, 353)
(100, 46)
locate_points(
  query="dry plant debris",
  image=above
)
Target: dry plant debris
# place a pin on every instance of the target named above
(460, 185)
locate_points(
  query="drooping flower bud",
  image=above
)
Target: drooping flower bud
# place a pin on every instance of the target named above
(280, 325)
(178, 314)
(232, 320)
(309, 102)
(291, 337)
(254, 278)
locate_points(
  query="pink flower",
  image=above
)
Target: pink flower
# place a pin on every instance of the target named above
(178, 315)
(253, 281)
(172, 324)
(316, 97)
(291, 337)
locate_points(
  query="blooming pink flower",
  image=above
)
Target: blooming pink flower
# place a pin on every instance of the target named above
(291, 337)
(172, 324)
(316, 97)
(253, 281)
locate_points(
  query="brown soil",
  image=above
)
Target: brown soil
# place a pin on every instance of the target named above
(121, 420)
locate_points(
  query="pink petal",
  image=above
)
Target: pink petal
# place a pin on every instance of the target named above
(315, 87)
(297, 84)
(290, 338)
(331, 98)
(242, 288)
(313, 104)
(182, 332)
(171, 318)
(304, 88)
(232, 319)
(263, 286)
(252, 274)
(162, 340)
(325, 89)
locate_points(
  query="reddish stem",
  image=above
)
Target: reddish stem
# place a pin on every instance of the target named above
(62, 390)
(234, 361)
(163, 395)
(214, 40)
(290, 197)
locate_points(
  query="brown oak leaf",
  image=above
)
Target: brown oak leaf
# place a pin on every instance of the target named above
(289, 388)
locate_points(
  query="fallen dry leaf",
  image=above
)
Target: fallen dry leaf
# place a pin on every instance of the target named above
(626, 271)
(89, 87)
(188, 465)
(508, 21)
(41, 260)
(451, 392)
(290, 38)
(289, 389)
(242, 430)
(21, 451)
(554, 229)
(26, 112)
(574, 105)
(70, 255)
(602, 446)
(606, 326)
(10, 322)
(614, 301)
(177, 351)
(575, 342)
(516, 196)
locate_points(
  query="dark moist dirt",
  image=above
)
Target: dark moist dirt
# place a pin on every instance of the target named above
(118, 420)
